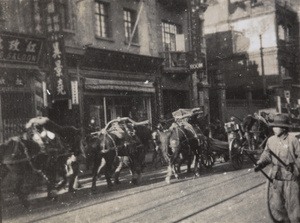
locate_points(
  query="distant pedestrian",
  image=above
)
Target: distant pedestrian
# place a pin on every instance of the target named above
(283, 152)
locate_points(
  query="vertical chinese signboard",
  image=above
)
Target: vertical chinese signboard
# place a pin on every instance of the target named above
(56, 51)
(197, 60)
(195, 29)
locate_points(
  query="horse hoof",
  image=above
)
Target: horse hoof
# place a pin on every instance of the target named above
(117, 182)
(26, 205)
(196, 175)
(134, 181)
(168, 180)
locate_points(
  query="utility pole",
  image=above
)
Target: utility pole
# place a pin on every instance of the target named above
(262, 65)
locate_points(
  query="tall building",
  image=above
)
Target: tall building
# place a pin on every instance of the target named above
(73, 60)
(253, 55)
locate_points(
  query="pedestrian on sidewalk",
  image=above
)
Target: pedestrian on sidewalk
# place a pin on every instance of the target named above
(283, 152)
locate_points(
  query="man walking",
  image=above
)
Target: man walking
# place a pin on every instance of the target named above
(283, 152)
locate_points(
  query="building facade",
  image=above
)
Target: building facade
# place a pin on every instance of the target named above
(253, 55)
(74, 60)
(22, 65)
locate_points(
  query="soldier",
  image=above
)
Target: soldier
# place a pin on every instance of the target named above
(283, 152)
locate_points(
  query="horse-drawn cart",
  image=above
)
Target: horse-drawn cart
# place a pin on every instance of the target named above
(236, 147)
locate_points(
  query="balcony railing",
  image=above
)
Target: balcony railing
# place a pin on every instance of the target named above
(175, 59)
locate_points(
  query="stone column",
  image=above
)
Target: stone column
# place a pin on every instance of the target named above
(221, 88)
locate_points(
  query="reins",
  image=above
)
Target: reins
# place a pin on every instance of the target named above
(31, 164)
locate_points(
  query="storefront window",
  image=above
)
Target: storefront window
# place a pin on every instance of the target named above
(105, 109)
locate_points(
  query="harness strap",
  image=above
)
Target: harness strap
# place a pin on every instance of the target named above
(31, 164)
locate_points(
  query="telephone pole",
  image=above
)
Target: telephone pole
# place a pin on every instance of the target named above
(262, 65)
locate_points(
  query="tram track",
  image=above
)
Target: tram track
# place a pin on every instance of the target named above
(109, 203)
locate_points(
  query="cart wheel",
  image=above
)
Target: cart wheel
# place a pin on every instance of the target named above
(235, 153)
(207, 160)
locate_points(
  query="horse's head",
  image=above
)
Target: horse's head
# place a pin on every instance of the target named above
(43, 137)
(162, 141)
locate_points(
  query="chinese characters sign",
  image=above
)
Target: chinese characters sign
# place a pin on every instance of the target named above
(58, 70)
(19, 49)
(197, 8)
(196, 29)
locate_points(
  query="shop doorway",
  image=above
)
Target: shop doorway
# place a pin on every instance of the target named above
(15, 111)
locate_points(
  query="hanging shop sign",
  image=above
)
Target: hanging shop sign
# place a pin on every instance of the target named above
(58, 71)
(15, 48)
(196, 21)
(74, 90)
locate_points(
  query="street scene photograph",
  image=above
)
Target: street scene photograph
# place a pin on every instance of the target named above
(152, 111)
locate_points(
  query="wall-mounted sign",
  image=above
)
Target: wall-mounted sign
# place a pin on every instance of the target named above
(56, 51)
(74, 90)
(15, 48)
(196, 66)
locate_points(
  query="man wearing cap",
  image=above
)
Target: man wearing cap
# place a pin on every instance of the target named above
(283, 152)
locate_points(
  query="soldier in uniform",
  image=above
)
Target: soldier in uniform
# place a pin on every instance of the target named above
(283, 152)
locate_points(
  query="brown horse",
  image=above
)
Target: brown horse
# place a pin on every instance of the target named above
(179, 144)
(120, 139)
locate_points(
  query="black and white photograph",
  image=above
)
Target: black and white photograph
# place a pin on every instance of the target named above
(150, 111)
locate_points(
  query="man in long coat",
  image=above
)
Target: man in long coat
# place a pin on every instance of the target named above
(283, 152)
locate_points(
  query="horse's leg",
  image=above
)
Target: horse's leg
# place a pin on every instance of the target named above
(196, 163)
(51, 174)
(109, 161)
(118, 170)
(18, 190)
(189, 163)
(135, 165)
(169, 173)
(75, 167)
(97, 163)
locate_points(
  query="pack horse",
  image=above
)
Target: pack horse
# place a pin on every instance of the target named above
(43, 149)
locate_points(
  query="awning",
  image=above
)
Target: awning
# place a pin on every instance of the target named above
(101, 84)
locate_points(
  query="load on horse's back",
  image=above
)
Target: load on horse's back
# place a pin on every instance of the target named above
(120, 137)
(182, 141)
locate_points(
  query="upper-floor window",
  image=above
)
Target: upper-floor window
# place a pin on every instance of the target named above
(129, 17)
(102, 19)
(284, 32)
(65, 13)
(169, 32)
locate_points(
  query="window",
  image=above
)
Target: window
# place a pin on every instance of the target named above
(284, 32)
(169, 32)
(102, 21)
(66, 19)
(129, 17)
(284, 71)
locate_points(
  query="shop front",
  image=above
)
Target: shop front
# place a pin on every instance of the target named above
(21, 83)
(116, 84)
(105, 100)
